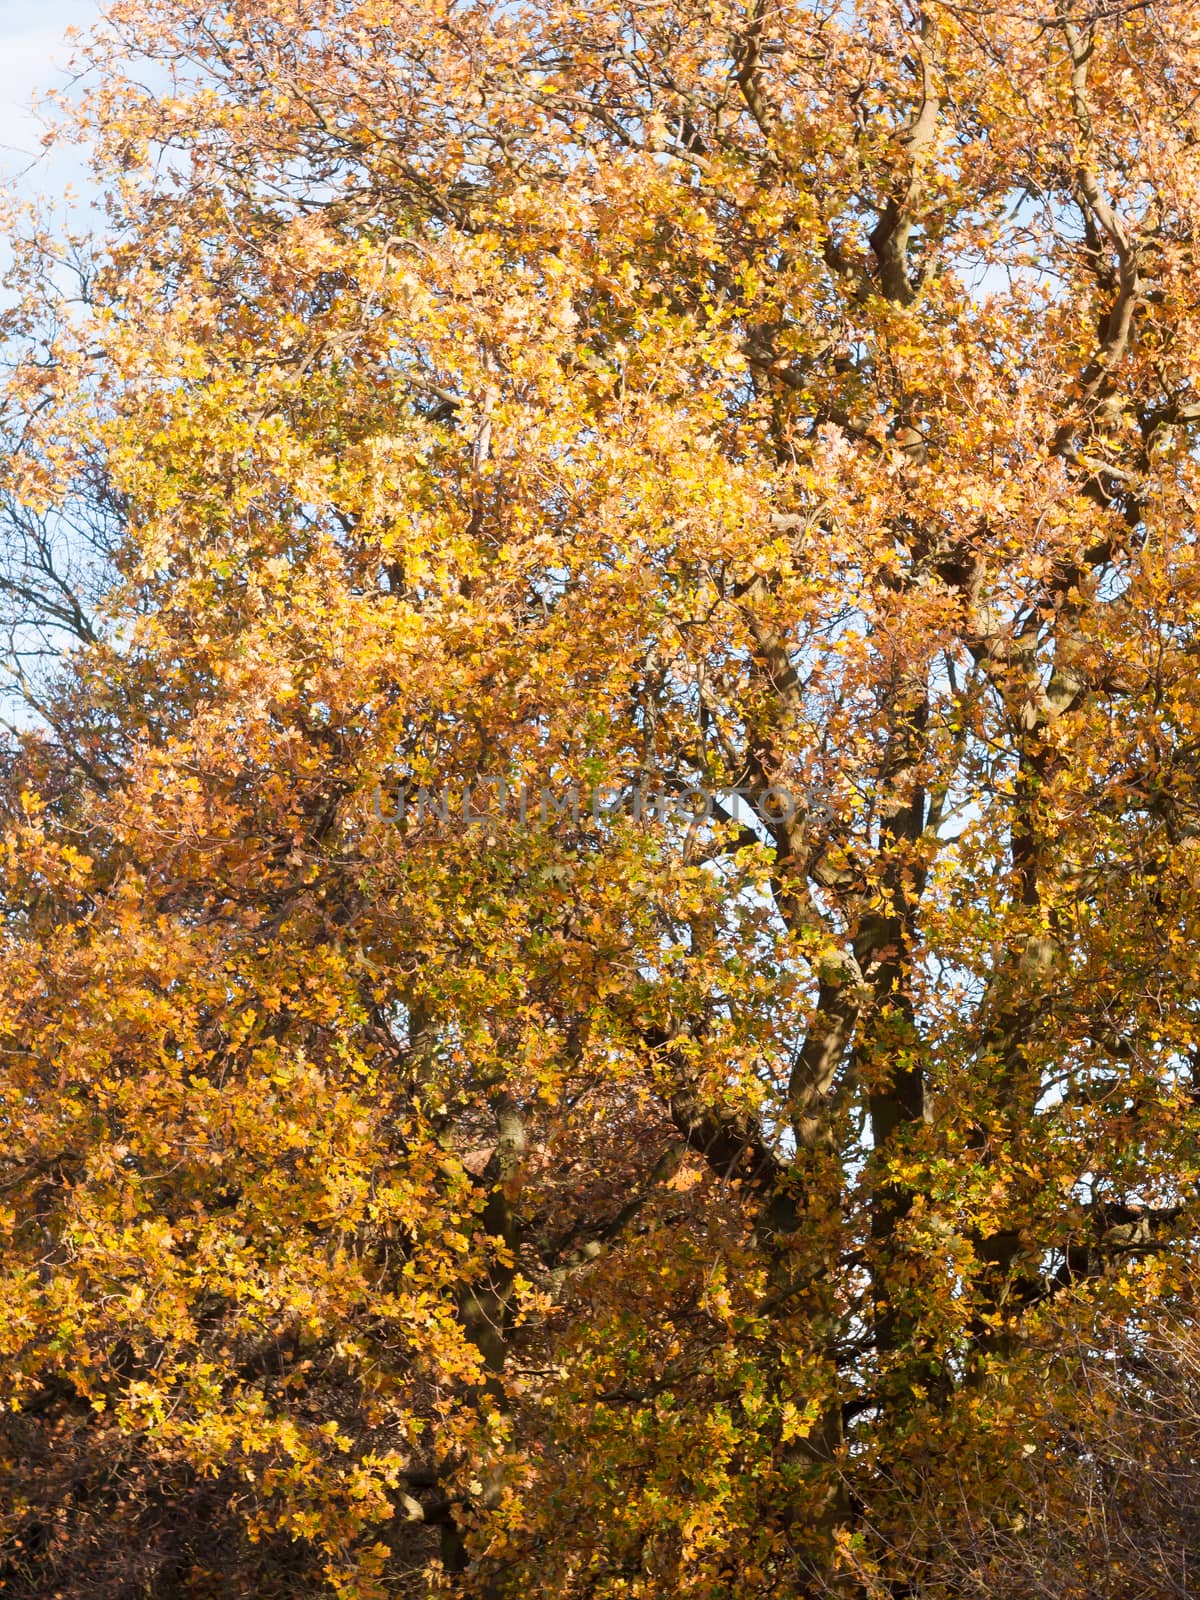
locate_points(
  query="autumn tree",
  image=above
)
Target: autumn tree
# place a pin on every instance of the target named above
(1108, 1511)
(781, 418)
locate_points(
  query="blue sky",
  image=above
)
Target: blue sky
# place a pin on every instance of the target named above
(33, 57)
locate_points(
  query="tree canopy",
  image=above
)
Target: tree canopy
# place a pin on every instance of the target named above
(598, 993)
